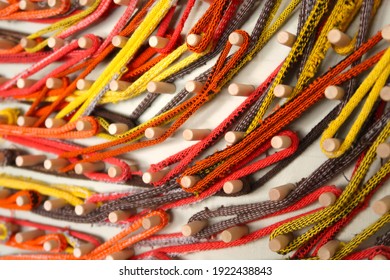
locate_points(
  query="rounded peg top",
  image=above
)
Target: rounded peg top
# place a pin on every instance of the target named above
(338, 38)
(193, 39)
(328, 250)
(236, 39)
(286, 38)
(331, 144)
(386, 33)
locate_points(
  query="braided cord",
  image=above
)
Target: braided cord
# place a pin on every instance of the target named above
(72, 194)
(341, 203)
(374, 81)
(115, 68)
(302, 40)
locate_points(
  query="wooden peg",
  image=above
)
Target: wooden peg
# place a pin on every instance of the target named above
(132, 164)
(23, 200)
(122, 2)
(3, 80)
(379, 257)
(195, 134)
(234, 233)
(10, 228)
(119, 41)
(3, 5)
(385, 93)
(193, 86)
(283, 91)
(382, 206)
(87, 167)
(151, 177)
(328, 250)
(54, 3)
(84, 42)
(4, 193)
(29, 160)
(84, 209)
(55, 164)
(117, 128)
(286, 38)
(232, 137)
(121, 255)
(83, 84)
(21, 237)
(280, 242)
(25, 83)
(383, 150)
(327, 199)
(54, 123)
(154, 132)
(233, 186)
(148, 223)
(119, 85)
(6, 44)
(55, 42)
(3, 119)
(26, 5)
(338, 38)
(193, 40)
(161, 87)
(236, 39)
(189, 181)
(85, 3)
(114, 171)
(120, 215)
(51, 245)
(331, 144)
(82, 125)
(158, 42)
(27, 43)
(193, 227)
(386, 33)
(280, 192)
(236, 89)
(26, 121)
(83, 249)
(334, 93)
(2, 158)
(281, 142)
(54, 204)
(54, 83)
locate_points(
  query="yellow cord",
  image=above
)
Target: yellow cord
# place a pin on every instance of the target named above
(74, 195)
(340, 14)
(116, 67)
(350, 195)
(58, 27)
(375, 80)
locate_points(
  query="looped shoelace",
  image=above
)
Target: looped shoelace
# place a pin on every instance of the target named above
(12, 11)
(280, 118)
(66, 237)
(268, 7)
(187, 108)
(72, 194)
(117, 243)
(116, 67)
(344, 199)
(56, 147)
(374, 82)
(35, 200)
(207, 25)
(322, 174)
(175, 244)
